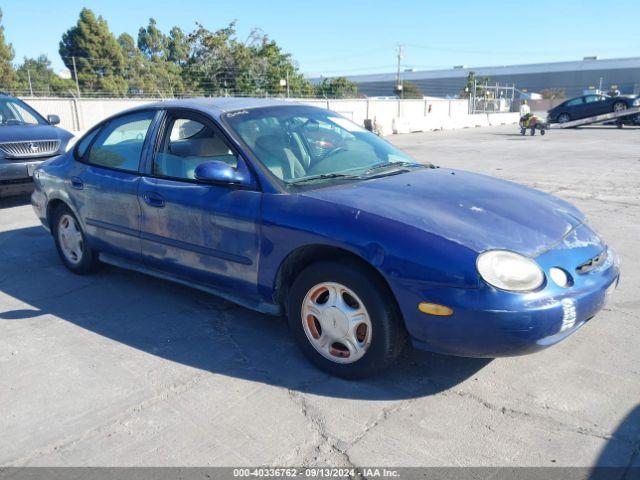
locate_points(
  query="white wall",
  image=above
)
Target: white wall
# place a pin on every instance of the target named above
(394, 116)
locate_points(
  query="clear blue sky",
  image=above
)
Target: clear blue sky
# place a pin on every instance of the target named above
(333, 37)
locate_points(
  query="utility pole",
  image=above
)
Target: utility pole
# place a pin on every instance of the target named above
(30, 86)
(288, 90)
(398, 80)
(75, 75)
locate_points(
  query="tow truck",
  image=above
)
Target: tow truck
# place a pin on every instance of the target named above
(605, 117)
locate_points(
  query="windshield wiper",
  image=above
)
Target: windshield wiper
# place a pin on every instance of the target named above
(384, 165)
(322, 176)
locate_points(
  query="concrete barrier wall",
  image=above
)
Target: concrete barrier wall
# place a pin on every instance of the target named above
(392, 115)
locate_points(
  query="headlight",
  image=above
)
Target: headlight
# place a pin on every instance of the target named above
(509, 271)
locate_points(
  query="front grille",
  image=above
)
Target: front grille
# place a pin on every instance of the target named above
(30, 148)
(593, 263)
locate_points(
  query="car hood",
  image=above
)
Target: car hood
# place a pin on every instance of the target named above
(476, 211)
(18, 133)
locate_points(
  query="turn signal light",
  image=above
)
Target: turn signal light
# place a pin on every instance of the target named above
(435, 309)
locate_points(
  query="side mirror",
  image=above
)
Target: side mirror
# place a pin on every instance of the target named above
(53, 119)
(220, 172)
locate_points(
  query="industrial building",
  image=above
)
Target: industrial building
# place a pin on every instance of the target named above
(572, 77)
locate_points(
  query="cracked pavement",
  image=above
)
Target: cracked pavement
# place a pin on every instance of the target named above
(120, 369)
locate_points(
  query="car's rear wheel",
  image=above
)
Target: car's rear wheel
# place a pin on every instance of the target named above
(344, 319)
(74, 251)
(564, 118)
(619, 106)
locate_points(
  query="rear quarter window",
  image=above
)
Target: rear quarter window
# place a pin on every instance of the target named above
(119, 143)
(83, 144)
(574, 102)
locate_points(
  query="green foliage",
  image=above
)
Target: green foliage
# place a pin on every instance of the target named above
(201, 62)
(8, 78)
(177, 46)
(467, 91)
(220, 64)
(43, 80)
(152, 42)
(98, 55)
(409, 90)
(338, 87)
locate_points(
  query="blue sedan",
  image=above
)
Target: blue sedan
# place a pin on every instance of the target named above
(295, 210)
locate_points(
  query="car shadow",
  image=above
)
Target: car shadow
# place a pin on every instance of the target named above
(193, 328)
(615, 461)
(14, 201)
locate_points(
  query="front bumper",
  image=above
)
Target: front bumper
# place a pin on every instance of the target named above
(12, 171)
(16, 176)
(488, 322)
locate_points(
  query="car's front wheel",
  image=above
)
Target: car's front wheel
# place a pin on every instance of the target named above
(564, 118)
(74, 251)
(344, 319)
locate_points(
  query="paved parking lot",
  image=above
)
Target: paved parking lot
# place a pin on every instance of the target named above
(122, 369)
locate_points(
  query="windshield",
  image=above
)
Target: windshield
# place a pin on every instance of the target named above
(299, 144)
(14, 112)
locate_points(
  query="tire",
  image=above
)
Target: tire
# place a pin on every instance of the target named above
(355, 348)
(564, 118)
(542, 132)
(70, 242)
(619, 106)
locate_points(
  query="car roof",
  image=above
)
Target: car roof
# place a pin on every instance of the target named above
(215, 105)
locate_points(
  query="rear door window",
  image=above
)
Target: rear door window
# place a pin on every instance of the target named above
(119, 144)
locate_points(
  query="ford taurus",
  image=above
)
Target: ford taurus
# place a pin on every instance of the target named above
(295, 210)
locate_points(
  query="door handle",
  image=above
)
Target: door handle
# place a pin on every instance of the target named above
(77, 183)
(153, 199)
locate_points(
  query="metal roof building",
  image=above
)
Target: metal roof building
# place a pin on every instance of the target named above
(573, 77)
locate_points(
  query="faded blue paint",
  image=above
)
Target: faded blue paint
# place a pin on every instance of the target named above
(422, 230)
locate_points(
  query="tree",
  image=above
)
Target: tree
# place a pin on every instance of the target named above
(8, 78)
(177, 46)
(134, 64)
(220, 64)
(152, 42)
(43, 79)
(552, 93)
(206, 62)
(409, 90)
(97, 53)
(472, 80)
(338, 87)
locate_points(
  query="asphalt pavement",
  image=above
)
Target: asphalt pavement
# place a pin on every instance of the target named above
(120, 369)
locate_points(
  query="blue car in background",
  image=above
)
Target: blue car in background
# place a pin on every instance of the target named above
(590, 106)
(26, 140)
(295, 210)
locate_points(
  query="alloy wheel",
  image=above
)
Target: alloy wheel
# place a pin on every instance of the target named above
(618, 107)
